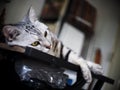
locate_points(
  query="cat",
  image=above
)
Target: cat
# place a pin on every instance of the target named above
(30, 32)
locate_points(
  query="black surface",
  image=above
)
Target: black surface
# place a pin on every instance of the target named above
(10, 79)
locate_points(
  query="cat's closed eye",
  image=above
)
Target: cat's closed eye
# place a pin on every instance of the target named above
(35, 43)
(45, 34)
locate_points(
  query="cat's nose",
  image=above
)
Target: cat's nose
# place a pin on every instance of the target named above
(48, 46)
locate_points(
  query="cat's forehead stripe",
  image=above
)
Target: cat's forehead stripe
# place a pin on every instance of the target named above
(28, 27)
(36, 28)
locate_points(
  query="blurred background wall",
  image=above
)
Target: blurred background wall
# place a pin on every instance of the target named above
(107, 34)
(17, 9)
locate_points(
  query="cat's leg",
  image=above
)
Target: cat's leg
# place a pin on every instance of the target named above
(74, 59)
(95, 68)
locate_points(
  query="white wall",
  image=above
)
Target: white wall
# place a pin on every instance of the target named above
(105, 31)
(114, 71)
(72, 38)
(107, 24)
(16, 9)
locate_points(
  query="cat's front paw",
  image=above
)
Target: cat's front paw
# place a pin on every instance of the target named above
(95, 68)
(86, 73)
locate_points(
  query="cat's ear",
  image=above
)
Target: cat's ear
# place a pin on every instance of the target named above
(31, 15)
(10, 32)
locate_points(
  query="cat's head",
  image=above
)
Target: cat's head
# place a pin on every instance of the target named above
(28, 32)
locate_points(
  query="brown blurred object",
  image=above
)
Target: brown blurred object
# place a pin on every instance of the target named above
(51, 10)
(98, 56)
(14, 48)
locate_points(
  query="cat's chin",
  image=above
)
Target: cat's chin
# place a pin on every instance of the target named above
(45, 50)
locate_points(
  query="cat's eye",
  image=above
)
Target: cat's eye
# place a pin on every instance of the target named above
(45, 34)
(35, 43)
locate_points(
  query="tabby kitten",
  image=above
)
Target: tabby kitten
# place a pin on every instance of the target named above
(32, 33)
